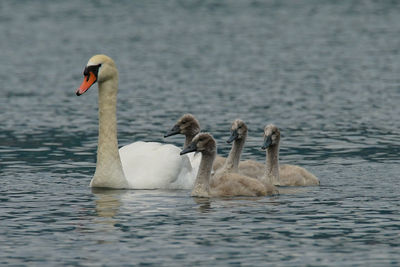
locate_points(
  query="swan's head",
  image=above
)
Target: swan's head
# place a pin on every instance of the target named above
(100, 68)
(238, 131)
(186, 125)
(202, 142)
(272, 136)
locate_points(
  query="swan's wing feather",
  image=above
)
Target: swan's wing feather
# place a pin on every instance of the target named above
(152, 165)
(187, 176)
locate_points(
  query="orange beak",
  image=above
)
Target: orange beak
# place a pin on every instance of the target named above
(88, 81)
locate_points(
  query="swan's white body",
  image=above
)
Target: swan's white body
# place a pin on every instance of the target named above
(140, 165)
(195, 159)
(151, 165)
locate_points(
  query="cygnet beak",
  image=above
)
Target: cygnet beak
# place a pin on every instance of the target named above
(267, 142)
(192, 147)
(234, 136)
(175, 130)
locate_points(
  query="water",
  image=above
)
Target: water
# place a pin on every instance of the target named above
(325, 72)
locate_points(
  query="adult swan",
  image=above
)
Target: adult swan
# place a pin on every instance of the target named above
(140, 165)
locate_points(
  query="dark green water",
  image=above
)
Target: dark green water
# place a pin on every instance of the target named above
(325, 72)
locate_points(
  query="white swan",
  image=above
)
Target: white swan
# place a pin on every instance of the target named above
(189, 126)
(230, 184)
(285, 175)
(140, 165)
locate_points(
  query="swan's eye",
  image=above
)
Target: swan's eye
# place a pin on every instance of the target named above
(92, 68)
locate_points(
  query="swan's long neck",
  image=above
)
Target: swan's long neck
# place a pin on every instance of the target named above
(109, 172)
(201, 185)
(232, 162)
(272, 165)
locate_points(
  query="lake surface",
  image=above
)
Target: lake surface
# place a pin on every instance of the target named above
(325, 72)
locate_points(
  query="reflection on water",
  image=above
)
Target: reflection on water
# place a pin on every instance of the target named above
(204, 204)
(288, 190)
(108, 202)
(107, 206)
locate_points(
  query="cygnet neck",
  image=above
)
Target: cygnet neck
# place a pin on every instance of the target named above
(232, 162)
(188, 139)
(201, 185)
(272, 165)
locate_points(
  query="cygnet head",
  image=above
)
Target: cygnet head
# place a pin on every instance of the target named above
(203, 143)
(272, 136)
(238, 131)
(186, 125)
(99, 68)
